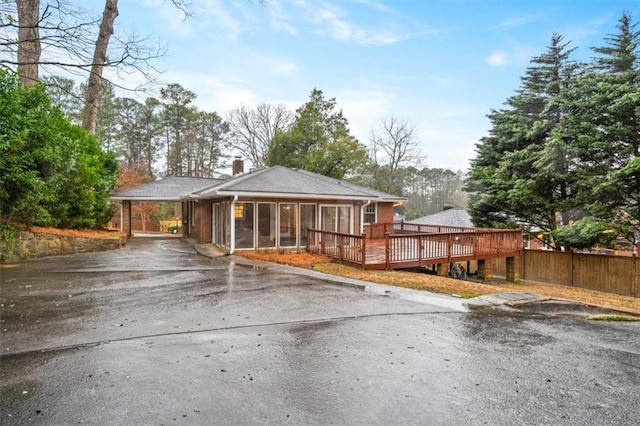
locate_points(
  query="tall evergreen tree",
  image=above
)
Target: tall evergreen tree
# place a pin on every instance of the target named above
(605, 119)
(522, 170)
(177, 112)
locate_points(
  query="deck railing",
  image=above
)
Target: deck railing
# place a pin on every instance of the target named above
(404, 248)
(379, 230)
(345, 247)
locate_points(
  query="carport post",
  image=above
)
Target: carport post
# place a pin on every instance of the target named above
(126, 218)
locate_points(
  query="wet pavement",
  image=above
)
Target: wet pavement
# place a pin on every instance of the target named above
(156, 334)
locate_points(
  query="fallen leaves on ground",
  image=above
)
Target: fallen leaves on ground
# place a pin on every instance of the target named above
(86, 233)
(445, 285)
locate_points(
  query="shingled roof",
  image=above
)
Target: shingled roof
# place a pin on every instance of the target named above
(279, 181)
(450, 217)
(172, 188)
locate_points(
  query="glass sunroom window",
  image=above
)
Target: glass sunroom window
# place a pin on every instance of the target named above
(266, 225)
(288, 225)
(307, 220)
(243, 214)
(336, 219)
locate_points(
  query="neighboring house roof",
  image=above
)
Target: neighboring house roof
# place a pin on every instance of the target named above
(279, 181)
(450, 217)
(172, 188)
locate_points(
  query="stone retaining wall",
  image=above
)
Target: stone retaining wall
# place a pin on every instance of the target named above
(28, 245)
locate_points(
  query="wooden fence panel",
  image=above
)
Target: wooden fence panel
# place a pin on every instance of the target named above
(547, 266)
(611, 274)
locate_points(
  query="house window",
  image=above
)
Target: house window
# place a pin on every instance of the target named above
(370, 213)
(288, 224)
(307, 220)
(266, 225)
(244, 225)
(238, 212)
(336, 218)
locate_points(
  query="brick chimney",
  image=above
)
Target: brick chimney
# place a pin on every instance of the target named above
(238, 166)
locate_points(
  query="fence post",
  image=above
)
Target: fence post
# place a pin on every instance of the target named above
(636, 281)
(340, 243)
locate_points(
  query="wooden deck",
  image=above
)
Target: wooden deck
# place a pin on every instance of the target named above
(407, 249)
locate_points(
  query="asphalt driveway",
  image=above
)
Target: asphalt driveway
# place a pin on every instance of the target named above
(156, 334)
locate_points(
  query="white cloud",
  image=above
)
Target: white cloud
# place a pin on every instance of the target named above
(214, 94)
(518, 21)
(210, 18)
(497, 59)
(279, 19)
(364, 109)
(332, 21)
(271, 65)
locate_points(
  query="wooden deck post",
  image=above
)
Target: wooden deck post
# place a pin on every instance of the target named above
(387, 251)
(484, 269)
(364, 251)
(443, 269)
(512, 273)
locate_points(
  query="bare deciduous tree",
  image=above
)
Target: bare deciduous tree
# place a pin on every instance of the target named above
(392, 147)
(94, 87)
(29, 49)
(62, 35)
(251, 130)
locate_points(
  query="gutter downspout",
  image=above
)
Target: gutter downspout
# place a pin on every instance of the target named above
(362, 216)
(232, 231)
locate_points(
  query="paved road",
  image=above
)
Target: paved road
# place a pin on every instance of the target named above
(155, 334)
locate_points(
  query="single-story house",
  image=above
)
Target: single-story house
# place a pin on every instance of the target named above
(266, 208)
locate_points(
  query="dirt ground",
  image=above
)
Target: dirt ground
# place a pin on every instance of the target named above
(445, 285)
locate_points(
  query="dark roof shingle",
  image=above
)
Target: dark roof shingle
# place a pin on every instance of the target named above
(450, 217)
(171, 188)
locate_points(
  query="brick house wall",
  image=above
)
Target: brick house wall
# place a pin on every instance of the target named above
(204, 221)
(126, 217)
(385, 212)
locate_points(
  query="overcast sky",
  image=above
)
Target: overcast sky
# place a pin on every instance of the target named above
(441, 65)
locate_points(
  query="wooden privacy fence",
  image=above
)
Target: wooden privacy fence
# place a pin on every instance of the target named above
(409, 250)
(610, 274)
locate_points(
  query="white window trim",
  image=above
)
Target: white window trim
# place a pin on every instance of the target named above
(375, 212)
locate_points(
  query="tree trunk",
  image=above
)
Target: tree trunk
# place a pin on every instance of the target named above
(94, 88)
(29, 48)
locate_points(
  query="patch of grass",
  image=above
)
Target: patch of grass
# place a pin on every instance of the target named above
(613, 317)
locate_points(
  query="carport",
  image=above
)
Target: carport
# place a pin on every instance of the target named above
(169, 189)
